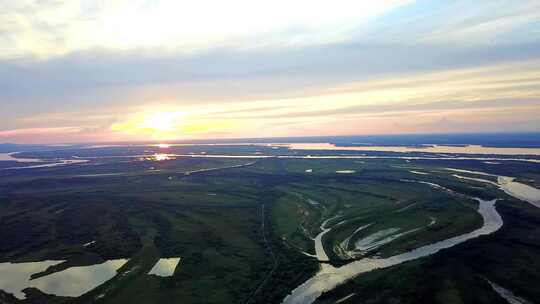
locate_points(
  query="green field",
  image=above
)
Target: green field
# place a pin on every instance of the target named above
(244, 234)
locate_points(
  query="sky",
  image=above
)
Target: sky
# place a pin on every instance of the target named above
(119, 70)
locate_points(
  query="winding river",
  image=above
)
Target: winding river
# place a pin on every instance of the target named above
(427, 148)
(341, 156)
(330, 277)
(505, 183)
(45, 163)
(9, 157)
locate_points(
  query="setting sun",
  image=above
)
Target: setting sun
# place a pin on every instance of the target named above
(276, 152)
(159, 121)
(171, 124)
(157, 125)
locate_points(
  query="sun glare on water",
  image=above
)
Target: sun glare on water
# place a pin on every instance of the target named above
(161, 157)
(158, 157)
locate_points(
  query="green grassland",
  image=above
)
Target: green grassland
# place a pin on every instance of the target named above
(242, 232)
(459, 274)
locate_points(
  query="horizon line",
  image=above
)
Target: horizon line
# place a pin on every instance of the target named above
(173, 141)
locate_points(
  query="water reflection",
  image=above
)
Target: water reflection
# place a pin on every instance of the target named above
(76, 281)
(165, 267)
(158, 157)
(329, 277)
(71, 282)
(466, 149)
(508, 295)
(520, 191)
(60, 162)
(14, 277)
(345, 171)
(9, 157)
(507, 184)
(48, 163)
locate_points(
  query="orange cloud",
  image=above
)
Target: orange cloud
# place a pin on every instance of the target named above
(39, 131)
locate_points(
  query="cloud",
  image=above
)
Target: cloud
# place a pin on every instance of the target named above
(52, 28)
(110, 78)
(335, 67)
(39, 131)
(33, 135)
(383, 102)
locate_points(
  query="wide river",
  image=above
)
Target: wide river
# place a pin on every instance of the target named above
(48, 164)
(465, 149)
(9, 157)
(330, 277)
